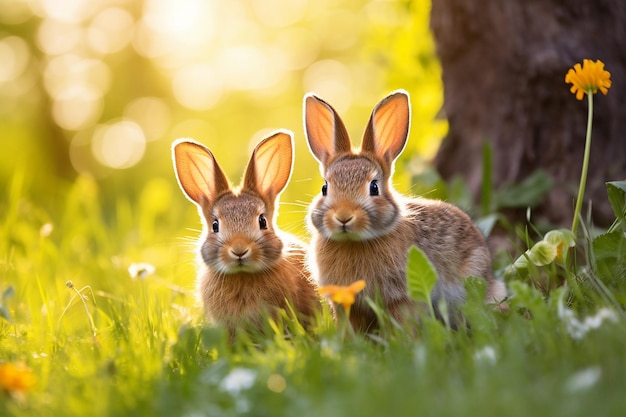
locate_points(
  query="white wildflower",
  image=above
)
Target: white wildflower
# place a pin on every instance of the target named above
(141, 270)
(583, 380)
(239, 379)
(486, 355)
(579, 328)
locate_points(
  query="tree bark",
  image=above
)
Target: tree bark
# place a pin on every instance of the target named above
(503, 68)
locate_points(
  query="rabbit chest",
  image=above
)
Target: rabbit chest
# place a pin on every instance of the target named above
(381, 262)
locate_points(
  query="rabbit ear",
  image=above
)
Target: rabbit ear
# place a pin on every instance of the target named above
(388, 127)
(197, 171)
(269, 168)
(325, 132)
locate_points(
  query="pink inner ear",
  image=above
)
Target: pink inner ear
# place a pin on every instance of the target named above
(198, 173)
(270, 166)
(388, 128)
(325, 131)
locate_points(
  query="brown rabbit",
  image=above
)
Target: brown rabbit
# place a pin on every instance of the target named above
(247, 265)
(362, 228)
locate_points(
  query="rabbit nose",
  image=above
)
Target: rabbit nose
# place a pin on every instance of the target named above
(344, 220)
(239, 252)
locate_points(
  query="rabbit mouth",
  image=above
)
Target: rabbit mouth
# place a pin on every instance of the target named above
(345, 235)
(241, 266)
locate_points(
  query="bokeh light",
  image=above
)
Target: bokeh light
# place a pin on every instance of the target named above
(110, 30)
(76, 107)
(119, 145)
(14, 12)
(111, 83)
(152, 114)
(197, 87)
(14, 57)
(56, 37)
(71, 11)
(332, 80)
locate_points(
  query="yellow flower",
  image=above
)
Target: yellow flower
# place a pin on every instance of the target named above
(588, 78)
(343, 295)
(16, 378)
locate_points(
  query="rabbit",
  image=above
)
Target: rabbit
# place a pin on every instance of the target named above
(247, 266)
(362, 228)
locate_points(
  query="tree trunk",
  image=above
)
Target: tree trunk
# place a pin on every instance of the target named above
(504, 64)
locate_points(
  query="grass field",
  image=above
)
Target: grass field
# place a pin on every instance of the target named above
(87, 337)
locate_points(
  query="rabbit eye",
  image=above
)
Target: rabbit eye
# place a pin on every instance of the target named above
(262, 222)
(325, 189)
(374, 188)
(216, 226)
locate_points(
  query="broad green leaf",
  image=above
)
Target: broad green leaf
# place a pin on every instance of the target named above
(617, 197)
(429, 183)
(460, 194)
(527, 193)
(421, 276)
(610, 257)
(487, 223)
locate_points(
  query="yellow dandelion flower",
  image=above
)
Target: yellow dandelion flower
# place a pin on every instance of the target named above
(343, 295)
(16, 378)
(590, 77)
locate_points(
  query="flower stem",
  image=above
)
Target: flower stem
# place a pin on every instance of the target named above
(583, 174)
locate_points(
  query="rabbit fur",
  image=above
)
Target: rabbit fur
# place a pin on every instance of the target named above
(247, 266)
(362, 228)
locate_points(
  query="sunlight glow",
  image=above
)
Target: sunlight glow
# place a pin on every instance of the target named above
(170, 27)
(111, 30)
(280, 13)
(14, 12)
(290, 42)
(56, 37)
(152, 114)
(76, 107)
(194, 54)
(119, 145)
(14, 56)
(68, 71)
(72, 11)
(332, 80)
(249, 68)
(197, 87)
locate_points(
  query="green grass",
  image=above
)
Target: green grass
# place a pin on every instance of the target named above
(153, 355)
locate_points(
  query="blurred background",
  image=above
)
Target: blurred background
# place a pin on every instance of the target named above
(97, 90)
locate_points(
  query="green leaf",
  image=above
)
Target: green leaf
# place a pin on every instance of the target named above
(527, 193)
(486, 223)
(429, 183)
(421, 277)
(609, 251)
(460, 194)
(617, 197)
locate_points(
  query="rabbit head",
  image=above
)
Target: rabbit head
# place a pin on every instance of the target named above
(239, 232)
(358, 201)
